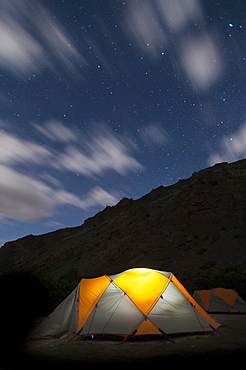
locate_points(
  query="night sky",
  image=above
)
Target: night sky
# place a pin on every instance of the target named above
(107, 99)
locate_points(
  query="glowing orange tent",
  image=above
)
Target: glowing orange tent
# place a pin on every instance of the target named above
(135, 302)
(220, 300)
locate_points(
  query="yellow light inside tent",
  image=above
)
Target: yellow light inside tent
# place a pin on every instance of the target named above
(143, 286)
(142, 270)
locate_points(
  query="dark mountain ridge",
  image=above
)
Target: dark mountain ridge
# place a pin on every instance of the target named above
(195, 225)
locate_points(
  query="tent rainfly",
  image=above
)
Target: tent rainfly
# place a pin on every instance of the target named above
(134, 302)
(220, 300)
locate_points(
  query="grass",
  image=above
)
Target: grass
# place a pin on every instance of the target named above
(230, 341)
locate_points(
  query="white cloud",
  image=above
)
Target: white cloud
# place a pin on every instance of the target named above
(57, 40)
(55, 130)
(14, 149)
(19, 51)
(176, 27)
(154, 134)
(99, 196)
(96, 196)
(178, 13)
(232, 148)
(29, 196)
(143, 23)
(31, 37)
(201, 61)
(22, 197)
(26, 199)
(96, 154)
(53, 224)
(91, 155)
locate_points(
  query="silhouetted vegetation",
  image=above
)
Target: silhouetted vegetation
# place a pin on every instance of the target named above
(232, 276)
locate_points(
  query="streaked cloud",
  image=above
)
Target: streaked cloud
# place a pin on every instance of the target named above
(178, 13)
(26, 199)
(232, 147)
(102, 153)
(201, 60)
(22, 197)
(154, 134)
(28, 193)
(20, 53)
(33, 38)
(98, 151)
(16, 150)
(55, 130)
(96, 196)
(142, 23)
(176, 28)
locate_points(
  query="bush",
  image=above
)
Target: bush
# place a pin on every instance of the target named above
(55, 291)
(201, 251)
(232, 276)
(207, 265)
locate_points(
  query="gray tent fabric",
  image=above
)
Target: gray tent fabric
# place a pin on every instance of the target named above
(114, 314)
(220, 300)
(173, 313)
(61, 320)
(137, 301)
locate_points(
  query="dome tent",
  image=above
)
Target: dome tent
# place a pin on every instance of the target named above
(135, 302)
(220, 300)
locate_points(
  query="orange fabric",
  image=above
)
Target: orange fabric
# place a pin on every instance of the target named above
(90, 291)
(205, 296)
(209, 319)
(147, 327)
(234, 310)
(229, 296)
(143, 287)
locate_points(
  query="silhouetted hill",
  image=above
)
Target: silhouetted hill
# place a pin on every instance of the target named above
(196, 225)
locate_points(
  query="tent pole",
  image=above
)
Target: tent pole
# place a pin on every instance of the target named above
(75, 335)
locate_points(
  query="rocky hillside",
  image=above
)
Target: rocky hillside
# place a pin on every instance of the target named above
(197, 225)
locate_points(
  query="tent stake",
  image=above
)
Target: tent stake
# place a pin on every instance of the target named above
(124, 339)
(166, 336)
(127, 336)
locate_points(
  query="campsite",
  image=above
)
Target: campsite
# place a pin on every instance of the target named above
(191, 333)
(122, 183)
(194, 228)
(140, 298)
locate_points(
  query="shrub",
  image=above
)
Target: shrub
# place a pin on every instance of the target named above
(201, 251)
(207, 265)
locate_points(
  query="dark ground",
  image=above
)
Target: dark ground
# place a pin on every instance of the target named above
(228, 343)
